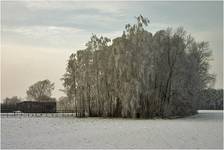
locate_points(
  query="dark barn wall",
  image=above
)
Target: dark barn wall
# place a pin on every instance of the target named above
(37, 107)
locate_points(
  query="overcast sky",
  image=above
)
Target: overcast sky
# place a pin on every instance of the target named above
(38, 37)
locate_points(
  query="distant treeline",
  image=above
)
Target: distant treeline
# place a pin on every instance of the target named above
(10, 104)
(13, 104)
(140, 75)
(211, 99)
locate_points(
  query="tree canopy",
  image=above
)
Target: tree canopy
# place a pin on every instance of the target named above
(140, 75)
(40, 91)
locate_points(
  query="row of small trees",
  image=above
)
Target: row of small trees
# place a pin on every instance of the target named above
(139, 75)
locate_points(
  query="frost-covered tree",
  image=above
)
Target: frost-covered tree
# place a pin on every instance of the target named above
(140, 74)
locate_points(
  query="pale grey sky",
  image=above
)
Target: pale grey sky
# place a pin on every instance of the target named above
(38, 36)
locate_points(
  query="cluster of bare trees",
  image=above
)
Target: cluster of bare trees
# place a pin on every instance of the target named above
(139, 74)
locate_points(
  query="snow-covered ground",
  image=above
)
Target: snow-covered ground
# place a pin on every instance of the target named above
(204, 130)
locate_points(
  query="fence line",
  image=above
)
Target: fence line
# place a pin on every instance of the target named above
(38, 115)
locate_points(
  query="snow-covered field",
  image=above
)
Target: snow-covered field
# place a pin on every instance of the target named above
(204, 130)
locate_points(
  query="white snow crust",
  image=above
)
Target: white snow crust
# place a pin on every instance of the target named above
(204, 130)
